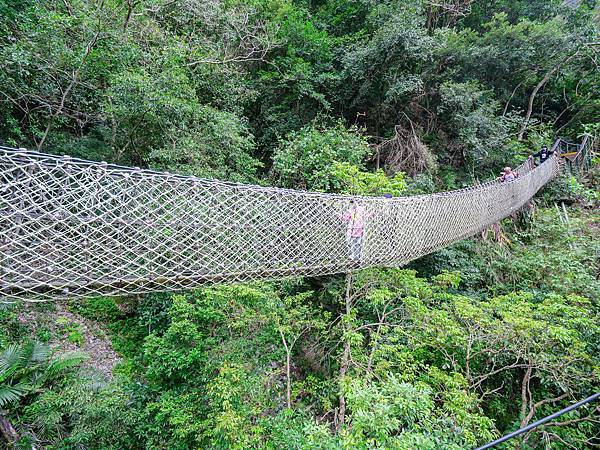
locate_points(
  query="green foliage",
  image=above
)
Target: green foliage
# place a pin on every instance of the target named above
(553, 339)
(477, 132)
(206, 349)
(569, 189)
(351, 180)
(513, 56)
(149, 86)
(71, 330)
(447, 279)
(298, 91)
(11, 329)
(95, 415)
(296, 88)
(385, 69)
(538, 134)
(553, 255)
(304, 159)
(464, 347)
(103, 309)
(75, 337)
(44, 335)
(395, 413)
(27, 368)
(157, 107)
(209, 377)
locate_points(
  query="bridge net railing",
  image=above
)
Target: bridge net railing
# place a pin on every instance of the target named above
(76, 228)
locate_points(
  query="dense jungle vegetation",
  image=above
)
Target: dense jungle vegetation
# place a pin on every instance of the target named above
(350, 96)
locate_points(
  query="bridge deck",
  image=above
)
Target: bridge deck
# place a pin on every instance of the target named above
(76, 228)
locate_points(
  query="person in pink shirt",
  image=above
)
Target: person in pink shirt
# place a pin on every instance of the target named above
(507, 175)
(356, 217)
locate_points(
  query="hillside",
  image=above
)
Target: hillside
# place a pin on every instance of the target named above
(361, 97)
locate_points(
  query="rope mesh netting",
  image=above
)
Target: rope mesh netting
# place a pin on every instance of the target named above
(76, 228)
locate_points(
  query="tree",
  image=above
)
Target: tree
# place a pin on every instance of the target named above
(28, 369)
(303, 160)
(383, 71)
(509, 344)
(294, 318)
(49, 85)
(297, 85)
(349, 179)
(385, 385)
(518, 58)
(477, 134)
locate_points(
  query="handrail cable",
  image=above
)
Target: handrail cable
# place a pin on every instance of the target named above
(516, 433)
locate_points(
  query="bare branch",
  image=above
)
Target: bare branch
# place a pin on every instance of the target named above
(405, 152)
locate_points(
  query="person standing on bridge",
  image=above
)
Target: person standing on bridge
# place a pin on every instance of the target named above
(507, 175)
(543, 154)
(355, 232)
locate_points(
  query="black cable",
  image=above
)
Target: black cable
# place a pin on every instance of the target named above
(591, 398)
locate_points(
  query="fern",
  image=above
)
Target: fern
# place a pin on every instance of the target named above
(61, 364)
(10, 394)
(26, 368)
(10, 361)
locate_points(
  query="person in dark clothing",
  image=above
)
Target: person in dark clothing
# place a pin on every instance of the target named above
(543, 154)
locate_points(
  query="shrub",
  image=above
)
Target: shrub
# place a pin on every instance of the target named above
(304, 159)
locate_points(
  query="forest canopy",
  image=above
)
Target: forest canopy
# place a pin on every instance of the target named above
(366, 97)
(215, 88)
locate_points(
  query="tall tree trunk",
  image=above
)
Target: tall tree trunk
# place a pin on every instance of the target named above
(65, 93)
(541, 84)
(345, 362)
(525, 399)
(288, 357)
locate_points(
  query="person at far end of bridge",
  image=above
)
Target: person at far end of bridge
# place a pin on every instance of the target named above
(543, 154)
(507, 175)
(356, 216)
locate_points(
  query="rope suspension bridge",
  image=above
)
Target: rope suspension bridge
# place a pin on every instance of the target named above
(72, 228)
